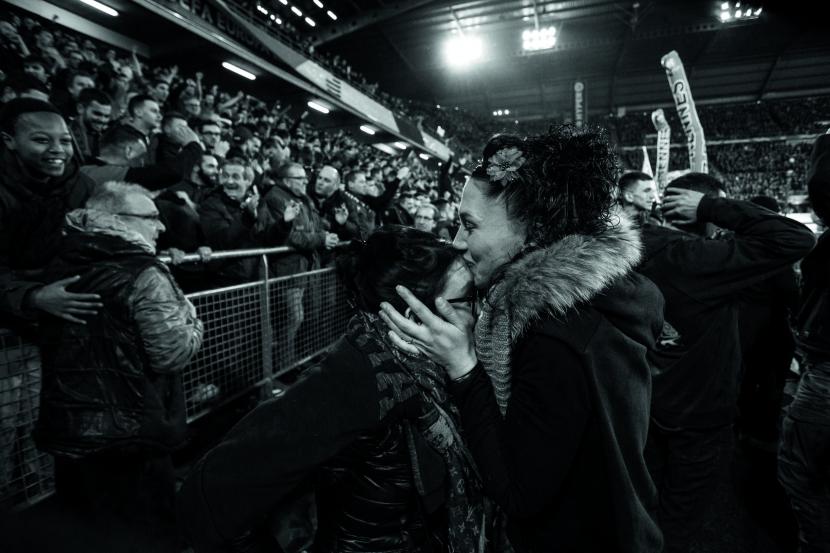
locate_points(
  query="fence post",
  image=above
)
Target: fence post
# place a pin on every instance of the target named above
(267, 331)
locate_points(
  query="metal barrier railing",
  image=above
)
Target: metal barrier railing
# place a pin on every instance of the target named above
(253, 333)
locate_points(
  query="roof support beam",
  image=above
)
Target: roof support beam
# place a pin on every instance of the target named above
(370, 17)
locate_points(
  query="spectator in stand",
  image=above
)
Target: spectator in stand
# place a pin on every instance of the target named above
(67, 99)
(94, 111)
(211, 135)
(425, 218)
(368, 210)
(698, 357)
(159, 90)
(112, 403)
(805, 436)
(177, 146)
(230, 221)
(637, 195)
(402, 211)
(331, 202)
(39, 183)
(26, 86)
(121, 147)
(35, 67)
(144, 114)
(446, 226)
(179, 207)
(309, 236)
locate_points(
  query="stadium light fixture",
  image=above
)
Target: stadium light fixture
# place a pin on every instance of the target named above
(423, 156)
(100, 7)
(538, 39)
(239, 71)
(730, 12)
(401, 145)
(332, 15)
(368, 130)
(310, 22)
(315, 105)
(296, 11)
(318, 4)
(463, 50)
(284, 2)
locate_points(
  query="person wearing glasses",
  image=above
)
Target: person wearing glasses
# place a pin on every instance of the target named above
(552, 380)
(112, 400)
(370, 429)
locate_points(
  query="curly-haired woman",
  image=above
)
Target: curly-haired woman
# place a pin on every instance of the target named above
(552, 380)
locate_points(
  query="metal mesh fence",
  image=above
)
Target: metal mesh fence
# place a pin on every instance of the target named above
(253, 333)
(25, 472)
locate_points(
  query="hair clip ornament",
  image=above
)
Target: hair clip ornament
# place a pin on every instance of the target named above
(504, 165)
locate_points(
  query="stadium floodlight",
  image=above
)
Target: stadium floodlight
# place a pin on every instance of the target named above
(724, 6)
(401, 145)
(278, 21)
(238, 70)
(725, 16)
(100, 7)
(539, 39)
(507, 112)
(462, 51)
(331, 15)
(423, 156)
(261, 10)
(318, 4)
(284, 2)
(296, 11)
(368, 130)
(310, 22)
(736, 13)
(318, 106)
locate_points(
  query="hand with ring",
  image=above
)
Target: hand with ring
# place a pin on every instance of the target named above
(446, 338)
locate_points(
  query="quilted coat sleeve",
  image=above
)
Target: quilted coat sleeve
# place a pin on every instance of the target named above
(170, 332)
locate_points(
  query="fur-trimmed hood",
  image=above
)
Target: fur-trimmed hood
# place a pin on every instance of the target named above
(552, 280)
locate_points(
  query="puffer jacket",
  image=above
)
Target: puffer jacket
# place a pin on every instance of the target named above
(31, 217)
(116, 381)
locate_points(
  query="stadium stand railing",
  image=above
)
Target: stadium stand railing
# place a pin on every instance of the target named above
(244, 347)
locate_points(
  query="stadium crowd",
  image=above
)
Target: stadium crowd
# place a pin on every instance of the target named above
(108, 161)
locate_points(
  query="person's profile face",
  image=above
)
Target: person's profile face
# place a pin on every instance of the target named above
(209, 168)
(487, 235)
(42, 142)
(642, 195)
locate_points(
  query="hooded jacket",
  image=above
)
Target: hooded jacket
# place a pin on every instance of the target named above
(698, 360)
(31, 217)
(116, 380)
(565, 461)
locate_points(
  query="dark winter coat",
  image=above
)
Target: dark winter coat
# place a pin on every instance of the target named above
(307, 235)
(31, 218)
(115, 382)
(566, 461)
(813, 324)
(698, 360)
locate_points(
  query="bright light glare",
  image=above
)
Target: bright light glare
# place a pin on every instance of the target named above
(310, 22)
(724, 6)
(261, 9)
(367, 129)
(424, 157)
(296, 11)
(539, 39)
(725, 16)
(507, 112)
(239, 71)
(318, 106)
(100, 7)
(400, 145)
(318, 4)
(284, 2)
(461, 51)
(332, 15)
(758, 11)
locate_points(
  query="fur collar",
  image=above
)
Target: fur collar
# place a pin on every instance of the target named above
(554, 279)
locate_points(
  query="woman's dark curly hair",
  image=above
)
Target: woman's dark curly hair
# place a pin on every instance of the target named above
(565, 185)
(394, 255)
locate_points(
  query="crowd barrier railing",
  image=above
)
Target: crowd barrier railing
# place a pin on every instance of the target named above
(253, 333)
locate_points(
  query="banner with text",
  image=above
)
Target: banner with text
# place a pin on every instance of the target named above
(580, 109)
(685, 105)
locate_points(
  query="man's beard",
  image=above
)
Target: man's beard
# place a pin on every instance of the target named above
(206, 179)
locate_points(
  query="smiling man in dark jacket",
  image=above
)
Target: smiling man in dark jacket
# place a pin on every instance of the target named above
(698, 357)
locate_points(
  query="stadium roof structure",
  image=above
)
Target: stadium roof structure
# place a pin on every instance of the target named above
(614, 47)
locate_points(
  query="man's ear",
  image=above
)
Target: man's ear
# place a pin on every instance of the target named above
(9, 141)
(628, 197)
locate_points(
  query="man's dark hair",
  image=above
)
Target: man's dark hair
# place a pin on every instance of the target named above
(89, 95)
(351, 176)
(170, 116)
(631, 178)
(138, 101)
(202, 123)
(120, 135)
(395, 255)
(18, 107)
(564, 185)
(699, 182)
